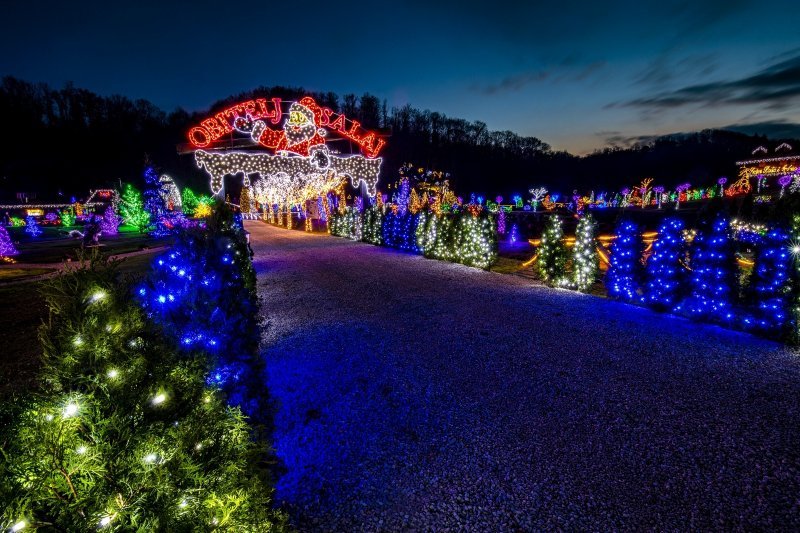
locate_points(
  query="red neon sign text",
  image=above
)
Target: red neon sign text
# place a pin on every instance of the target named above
(269, 111)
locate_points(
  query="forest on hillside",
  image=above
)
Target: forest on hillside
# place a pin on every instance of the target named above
(69, 140)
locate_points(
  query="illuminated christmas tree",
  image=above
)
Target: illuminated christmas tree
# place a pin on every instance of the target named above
(7, 248)
(32, 226)
(125, 434)
(403, 195)
(501, 220)
(414, 202)
(666, 274)
(188, 202)
(109, 225)
(245, 200)
(153, 201)
(156, 202)
(203, 292)
(373, 220)
(714, 273)
(584, 255)
(552, 258)
(475, 239)
(132, 209)
(624, 271)
(770, 285)
(67, 217)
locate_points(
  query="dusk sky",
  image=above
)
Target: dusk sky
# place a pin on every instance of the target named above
(579, 76)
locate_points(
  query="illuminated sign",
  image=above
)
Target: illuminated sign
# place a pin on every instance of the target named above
(300, 167)
(257, 116)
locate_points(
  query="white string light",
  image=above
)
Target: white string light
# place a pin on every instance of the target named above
(302, 173)
(70, 410)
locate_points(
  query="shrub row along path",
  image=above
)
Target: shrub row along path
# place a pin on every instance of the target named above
(420, 395)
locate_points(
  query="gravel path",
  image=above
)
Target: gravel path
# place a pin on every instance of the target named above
(421, 395)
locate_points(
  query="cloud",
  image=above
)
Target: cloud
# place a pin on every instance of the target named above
(775, 87)
(513, 83)
(663, 69)
(772, 129)
(615, 139)
(565, 72)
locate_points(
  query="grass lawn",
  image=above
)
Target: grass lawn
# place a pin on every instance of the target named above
(53, 246)
(22, 310)
(16, 274)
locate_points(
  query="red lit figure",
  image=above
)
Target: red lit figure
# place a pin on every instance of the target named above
(300, 132)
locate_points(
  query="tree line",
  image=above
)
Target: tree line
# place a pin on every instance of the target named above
(69, 140)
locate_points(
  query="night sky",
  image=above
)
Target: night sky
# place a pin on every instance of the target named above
(577, 75)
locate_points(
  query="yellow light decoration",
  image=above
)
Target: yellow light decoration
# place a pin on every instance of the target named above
(531, 261)
(767, 170)
(202, 211)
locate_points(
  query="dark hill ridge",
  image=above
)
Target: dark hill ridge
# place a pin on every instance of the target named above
(71, 140)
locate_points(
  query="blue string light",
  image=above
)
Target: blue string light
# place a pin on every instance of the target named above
(622, 278)
(666, 274)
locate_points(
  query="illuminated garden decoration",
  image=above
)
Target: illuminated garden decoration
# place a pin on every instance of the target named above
(109, 225)
(153, 199)
(204, 207)
(666, 274)
(769, 286)
(783, 181)
(659, 190)
(552, 255)
(475, 242)
(584, 256)
(7, 248)
(67, 217)
(681, 189)
(624, 271)
(246, 198)
(714, 280)
(124, 434)
(301, 166)
(132, 209)
(188, 201)
(203, 292)
(159, 195)
(538, 195)
(373, 222)
(468, 236)
(170, 195)
(32, 227)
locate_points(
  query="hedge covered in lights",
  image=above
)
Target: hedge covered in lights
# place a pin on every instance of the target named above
(203, 292)
(697, 274)
(467, 236)
(130, 430)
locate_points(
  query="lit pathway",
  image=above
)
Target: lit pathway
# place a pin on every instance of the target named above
(420, 395)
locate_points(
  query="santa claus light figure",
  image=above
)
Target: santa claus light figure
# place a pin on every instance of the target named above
(300, 132)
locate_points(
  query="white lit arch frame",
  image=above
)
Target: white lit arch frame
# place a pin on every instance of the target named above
(302, 172)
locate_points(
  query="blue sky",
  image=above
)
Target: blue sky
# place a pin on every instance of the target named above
(578, 75)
